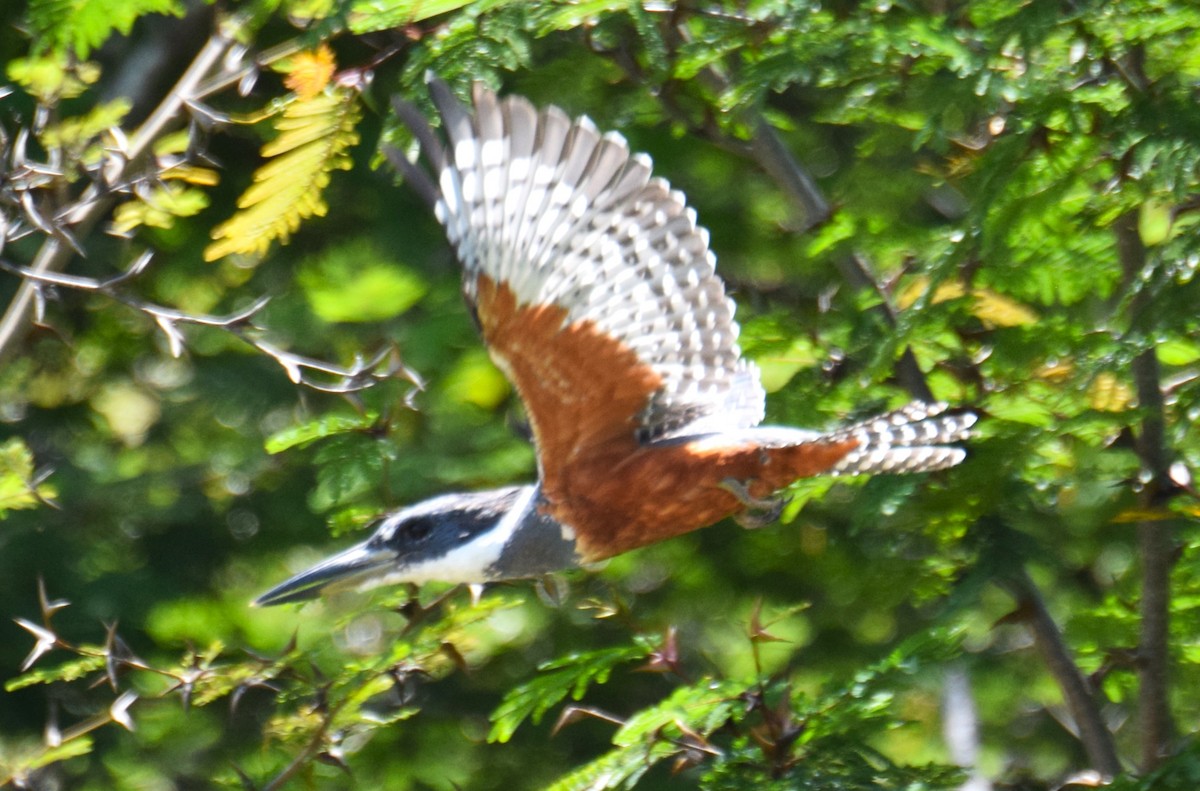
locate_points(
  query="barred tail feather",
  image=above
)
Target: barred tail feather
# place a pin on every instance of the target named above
(914, 438)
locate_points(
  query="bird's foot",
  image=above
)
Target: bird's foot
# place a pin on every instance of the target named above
(760, 511)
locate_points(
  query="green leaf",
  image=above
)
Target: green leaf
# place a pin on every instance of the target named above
(1155, 218)
(320, 428)
(350, 466)
(80, 745)
(367, 16)
(1020, 409)
(16, 476)
(52, 77)
(159, 207)
(359, 282)
(702, 707)
(570, 675)
(655, 733)
(614, 769)
(80, 26)
(1178, 351)
(77, 130)
(67, 671)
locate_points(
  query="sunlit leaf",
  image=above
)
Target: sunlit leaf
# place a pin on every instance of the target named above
(17, 485)
(160, 207)
(370, 15)
(313, 140)
(81, 745)
(325, 426)
(67, 671)
(80, 26)
(1155, 218)
(50, 77)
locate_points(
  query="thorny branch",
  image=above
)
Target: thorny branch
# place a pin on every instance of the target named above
(220, 63)
(117, 658)
(99, 197)
(384, 365)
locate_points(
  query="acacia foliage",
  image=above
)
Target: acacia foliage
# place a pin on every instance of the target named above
(992, 203)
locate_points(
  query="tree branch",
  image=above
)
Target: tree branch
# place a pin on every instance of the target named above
(776, 159)
(1093, 732)
(1155, 543)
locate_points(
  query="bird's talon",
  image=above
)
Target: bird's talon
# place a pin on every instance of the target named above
(760, 511)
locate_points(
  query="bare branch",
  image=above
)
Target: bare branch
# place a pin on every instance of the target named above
(1093, 732)
(769, 151)
(99, 197)
(331, 378)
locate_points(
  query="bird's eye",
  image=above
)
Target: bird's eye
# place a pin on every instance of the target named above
(417, 531)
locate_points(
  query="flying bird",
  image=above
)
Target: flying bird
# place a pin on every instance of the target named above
(595, 292)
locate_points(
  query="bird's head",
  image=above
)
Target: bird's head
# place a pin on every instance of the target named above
(476, 537)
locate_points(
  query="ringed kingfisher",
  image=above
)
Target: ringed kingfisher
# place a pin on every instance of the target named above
(595, 293)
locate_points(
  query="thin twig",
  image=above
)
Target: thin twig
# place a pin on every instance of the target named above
(311, 749)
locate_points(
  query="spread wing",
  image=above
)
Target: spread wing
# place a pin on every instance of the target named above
(594, 287)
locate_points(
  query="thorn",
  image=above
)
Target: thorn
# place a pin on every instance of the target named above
(52, 734)
(666, 658)
(46, 641)
(758, 632)
(48, 607)
(573, 714)
(475, 589)
(119, 710)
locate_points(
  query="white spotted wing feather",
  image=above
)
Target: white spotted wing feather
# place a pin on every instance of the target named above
(564, 215)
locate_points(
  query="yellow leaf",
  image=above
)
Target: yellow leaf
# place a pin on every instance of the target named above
(992, 308)
(158, 208)
(205, 177)
(1109, 394)
(80, 129)
(1057, 371)
(997, 310)
(314, 136)
(1130, 515)
(310, 72)
(17, 486)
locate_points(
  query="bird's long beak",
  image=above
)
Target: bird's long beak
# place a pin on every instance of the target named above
(340, 570)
